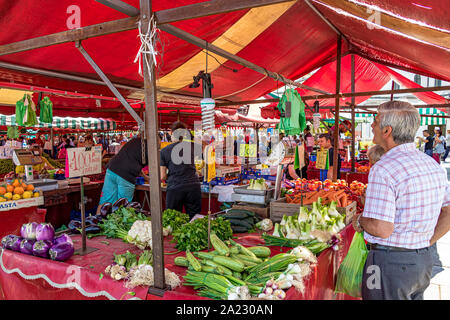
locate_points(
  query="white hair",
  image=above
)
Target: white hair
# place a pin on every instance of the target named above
(375, 153)
(402, 117)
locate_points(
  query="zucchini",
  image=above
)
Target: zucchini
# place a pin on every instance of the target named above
(260, 252)
(237, 275)
(193, 262)
(229, 263)
(219, 245)
(209, 269)
(244, 250)
(240, 223)
(234, 214)
(248, 258)
(204, 255)
(234, 250)
(246, 263)
(239, 229)
(181, 261)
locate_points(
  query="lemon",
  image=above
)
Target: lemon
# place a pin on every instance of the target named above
(8, 195)
(16, 197)
(36, 194)
(2, 199)
(27, 194)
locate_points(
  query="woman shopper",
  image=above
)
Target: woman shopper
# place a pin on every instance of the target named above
(438, 146)
(447, 148)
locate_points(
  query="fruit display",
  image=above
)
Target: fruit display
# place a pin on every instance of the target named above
(358, 187)
(52, 162)
(17, 190)
(6, 166)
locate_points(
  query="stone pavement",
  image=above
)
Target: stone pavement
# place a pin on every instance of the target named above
(439, 288)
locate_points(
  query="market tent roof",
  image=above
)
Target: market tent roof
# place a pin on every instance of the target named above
(424, 121)
(66, 123)
(369, 76)
(288, 38)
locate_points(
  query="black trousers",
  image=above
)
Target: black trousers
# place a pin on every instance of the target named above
(189, 196)
(397, 275)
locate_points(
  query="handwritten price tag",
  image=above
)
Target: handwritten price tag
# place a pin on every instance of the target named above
(322, 157)
(82, 162)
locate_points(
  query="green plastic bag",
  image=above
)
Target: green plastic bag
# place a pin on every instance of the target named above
(13, 133)
(26, 112)
(46, 115)
(350, 273)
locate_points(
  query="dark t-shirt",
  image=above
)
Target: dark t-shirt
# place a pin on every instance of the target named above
(330, 156)
(181, 173)
(127, 164)
(429, 143)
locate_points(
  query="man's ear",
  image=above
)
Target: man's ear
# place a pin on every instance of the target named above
(387, 131)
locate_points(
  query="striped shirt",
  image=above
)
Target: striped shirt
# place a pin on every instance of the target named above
(407, 188)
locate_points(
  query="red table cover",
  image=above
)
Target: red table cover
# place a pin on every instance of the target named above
(27, 277)
(12, 220)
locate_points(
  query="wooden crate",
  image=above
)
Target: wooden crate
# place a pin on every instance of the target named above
(280, 207)
(261, 212)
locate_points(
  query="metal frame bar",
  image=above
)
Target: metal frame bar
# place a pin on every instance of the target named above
(212, 48)
(109, 84)
(336, 116)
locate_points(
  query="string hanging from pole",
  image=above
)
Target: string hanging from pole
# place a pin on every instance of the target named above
(148, 46)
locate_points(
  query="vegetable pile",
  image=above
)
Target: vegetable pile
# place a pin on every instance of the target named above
(313, 229)
(172, 220)
(39, 240)
(118, 223)
(327, 196)
(241, 221)
(235, 272)
(193, 236)
(257, 184)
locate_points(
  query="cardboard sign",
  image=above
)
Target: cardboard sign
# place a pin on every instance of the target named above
(248, 150)
(83, 162)
(322, 159)
(23, 203)
(243, 150)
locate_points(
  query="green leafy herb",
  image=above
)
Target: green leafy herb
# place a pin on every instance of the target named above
(174, 219)
(194, 236)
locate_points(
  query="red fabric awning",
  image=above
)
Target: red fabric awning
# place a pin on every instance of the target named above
(290, 39)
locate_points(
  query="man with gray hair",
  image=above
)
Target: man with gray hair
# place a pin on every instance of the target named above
(407, 209)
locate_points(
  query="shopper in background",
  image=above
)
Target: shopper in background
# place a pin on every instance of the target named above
(438, 146)
(447, 148)
(407, 209)
(48, 146)
(428, 140)
(375, 153)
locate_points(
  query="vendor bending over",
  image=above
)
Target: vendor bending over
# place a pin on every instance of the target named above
(178, 169)
(123, 169)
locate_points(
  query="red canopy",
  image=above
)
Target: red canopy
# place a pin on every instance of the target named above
(288, 38)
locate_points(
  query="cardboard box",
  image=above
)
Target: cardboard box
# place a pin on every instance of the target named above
(23, 203)
(261, 212)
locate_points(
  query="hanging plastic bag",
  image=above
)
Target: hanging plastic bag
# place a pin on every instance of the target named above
(13, 133)
(350, 273)
(21, 111)
(46, 115)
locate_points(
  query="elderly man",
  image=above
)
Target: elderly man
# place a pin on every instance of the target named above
(406, 209)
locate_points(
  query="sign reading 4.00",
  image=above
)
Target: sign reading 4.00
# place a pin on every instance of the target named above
(83, 162)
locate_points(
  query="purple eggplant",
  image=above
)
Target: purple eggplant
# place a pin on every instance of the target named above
(14, 243)
(136, 205)
(61, 251)
(41, 248)
(26, 246)
(106, 209)
(45, 231)
(6, 240)
(119, 203)
(64, 238)
(28, 230)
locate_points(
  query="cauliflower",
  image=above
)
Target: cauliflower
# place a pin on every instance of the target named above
(143, 276)
(265, 225)
(141, 234)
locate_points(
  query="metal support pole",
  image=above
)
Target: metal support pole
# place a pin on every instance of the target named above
(151, 135)
(109, 84)
(353, 112)
(52, 142)
(336, 117)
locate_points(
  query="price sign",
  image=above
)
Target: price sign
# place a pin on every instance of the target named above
(252, 151)
(322, 160)
(243, 150)
(83, 162)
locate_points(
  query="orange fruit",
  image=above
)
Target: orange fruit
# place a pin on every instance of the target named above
(30, 187)
(2, 190)
(18, 190)
(24, 185)
(16, 183)
(9, 188)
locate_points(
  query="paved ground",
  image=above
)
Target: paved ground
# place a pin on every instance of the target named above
(439, 288)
